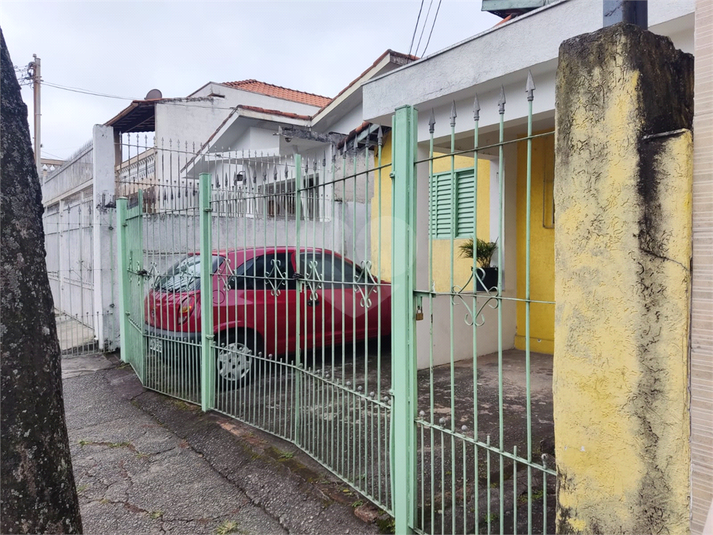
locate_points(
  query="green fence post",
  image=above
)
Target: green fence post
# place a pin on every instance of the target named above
(123, 277)
(300, 288)
(403, 445)
(206, 251)
(137, 249)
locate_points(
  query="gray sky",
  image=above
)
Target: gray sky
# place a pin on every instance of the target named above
(127, 48)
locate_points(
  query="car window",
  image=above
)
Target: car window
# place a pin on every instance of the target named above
(328, 268)
(267, 271)
(185, 275)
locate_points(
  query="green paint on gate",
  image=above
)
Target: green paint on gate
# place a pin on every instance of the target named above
(121, 225)
(403, 445)
(131, 282)
(430, 471)
(208, 362)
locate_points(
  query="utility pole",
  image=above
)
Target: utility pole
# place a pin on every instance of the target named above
(34, 70)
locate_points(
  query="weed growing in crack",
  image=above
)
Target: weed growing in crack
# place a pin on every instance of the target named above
(229, 526)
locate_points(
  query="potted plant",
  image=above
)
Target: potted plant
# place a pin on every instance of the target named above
(484, 251)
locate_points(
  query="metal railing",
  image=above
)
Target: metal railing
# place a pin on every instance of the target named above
(320, 269)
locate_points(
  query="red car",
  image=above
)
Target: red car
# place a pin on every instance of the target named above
(256, 305)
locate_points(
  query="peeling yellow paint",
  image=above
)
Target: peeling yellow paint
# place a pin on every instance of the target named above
(621, 320)
(577, 524)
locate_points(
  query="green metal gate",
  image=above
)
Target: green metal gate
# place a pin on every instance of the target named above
(131, 262)
(321, 266)
(467, 462)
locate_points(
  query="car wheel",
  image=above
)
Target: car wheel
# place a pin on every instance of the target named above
(234, 360)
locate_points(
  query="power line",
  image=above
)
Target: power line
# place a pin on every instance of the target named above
(104, 95)
(423, 28)
(415, 28)
(85, 91)
(52, 155)
(432, 26)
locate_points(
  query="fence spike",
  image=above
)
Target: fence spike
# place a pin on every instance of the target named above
(476, 108)
(453, 114)
(501, 100)
(432, 122)
(530, 86)
(380, 137)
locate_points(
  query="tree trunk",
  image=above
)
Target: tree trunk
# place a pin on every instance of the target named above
(37, 492)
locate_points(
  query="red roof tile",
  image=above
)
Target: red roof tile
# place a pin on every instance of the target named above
(256, 86)
(275, 112)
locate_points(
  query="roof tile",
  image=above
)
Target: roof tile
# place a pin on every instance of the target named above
(257, 86)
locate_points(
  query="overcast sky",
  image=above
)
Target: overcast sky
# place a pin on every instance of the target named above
(127, 48)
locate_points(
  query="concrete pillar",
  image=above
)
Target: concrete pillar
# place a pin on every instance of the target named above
(107, 330)
(623, 180)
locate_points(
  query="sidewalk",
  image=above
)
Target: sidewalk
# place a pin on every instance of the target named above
(145, 463)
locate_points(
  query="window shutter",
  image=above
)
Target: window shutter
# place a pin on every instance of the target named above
(440, 205)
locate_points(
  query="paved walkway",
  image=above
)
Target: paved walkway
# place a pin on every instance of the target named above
(144, 463)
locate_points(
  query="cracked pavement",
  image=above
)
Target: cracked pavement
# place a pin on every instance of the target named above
(146, 463)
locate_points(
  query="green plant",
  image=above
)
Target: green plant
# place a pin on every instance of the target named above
(484, 251)
(229, 526)
(386, 525)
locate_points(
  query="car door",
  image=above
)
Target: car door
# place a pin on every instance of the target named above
(264, 299)
(363, 300)
(316, 322)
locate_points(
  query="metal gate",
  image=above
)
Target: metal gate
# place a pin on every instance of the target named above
(320, 268)
(132, 275)
(469, 464)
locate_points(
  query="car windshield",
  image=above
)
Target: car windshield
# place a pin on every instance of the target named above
(185, 275)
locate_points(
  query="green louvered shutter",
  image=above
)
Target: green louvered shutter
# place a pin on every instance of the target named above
(440, 205)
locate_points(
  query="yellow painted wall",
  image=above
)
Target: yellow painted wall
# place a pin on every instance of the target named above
(380, 221)
(441, 248)
(542, 246)
(622, 285)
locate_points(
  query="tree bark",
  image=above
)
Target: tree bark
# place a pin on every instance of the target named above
(37, 492)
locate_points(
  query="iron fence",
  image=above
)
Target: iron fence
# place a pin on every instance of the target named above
(319, 269)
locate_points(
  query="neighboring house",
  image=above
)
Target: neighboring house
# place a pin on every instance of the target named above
(502, 57)
(155, 137)
(251, 155)
(265, 132)
(49, 165)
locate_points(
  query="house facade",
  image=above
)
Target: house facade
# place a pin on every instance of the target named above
(494, 64)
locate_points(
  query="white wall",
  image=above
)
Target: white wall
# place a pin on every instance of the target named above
(502, 56)
(169, 237)
(73, 176)
(351, 120)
